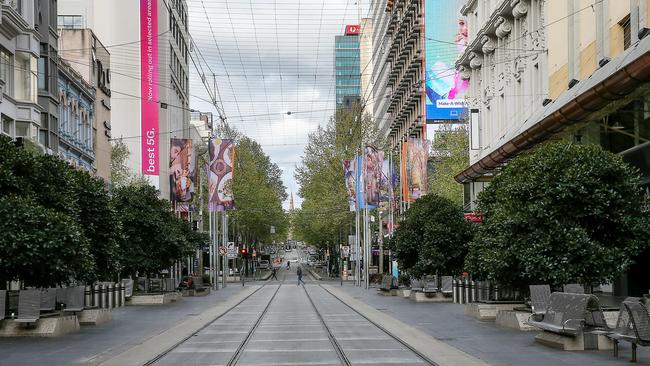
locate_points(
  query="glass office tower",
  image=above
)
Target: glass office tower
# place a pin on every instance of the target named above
(348, 72)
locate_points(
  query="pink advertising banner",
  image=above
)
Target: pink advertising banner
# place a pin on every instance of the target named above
(149, 86)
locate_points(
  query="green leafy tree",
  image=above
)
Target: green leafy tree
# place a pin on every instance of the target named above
(433, 237)
(562, 214)
(40, 246)
(100, 224)
(450, 156)
(153, 237)
(324, 216)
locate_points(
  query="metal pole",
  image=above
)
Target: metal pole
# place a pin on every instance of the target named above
(211, 270)
(217, 264)
(224, 240)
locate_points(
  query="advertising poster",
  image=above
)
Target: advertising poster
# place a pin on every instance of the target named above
(446, 40)
(372, 164)
(221, 171)
(349, 176)
(182, 170)
(150, 144)
(417, 158)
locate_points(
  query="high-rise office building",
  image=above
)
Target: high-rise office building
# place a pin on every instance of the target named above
(347, 66)
(148, 43)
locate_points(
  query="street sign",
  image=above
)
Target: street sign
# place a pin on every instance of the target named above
(232, 250)
(345, 251)
(223, 250)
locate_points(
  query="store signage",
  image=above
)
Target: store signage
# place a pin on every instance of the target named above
(103, 79)
(352, 30)
(473, 217)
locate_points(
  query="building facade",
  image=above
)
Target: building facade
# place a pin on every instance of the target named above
(346, 65)
(366, 65)
(86, 54)
(48, 74)
(117, 24)
(397, 76)
(76, 101)
(542, 70)
(19, 50)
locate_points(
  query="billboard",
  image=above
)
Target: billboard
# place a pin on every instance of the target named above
(150, 144)
(182, 170)
(445, 41)
(221, 169)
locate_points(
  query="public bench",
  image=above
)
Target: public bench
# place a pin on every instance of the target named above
(29, 306)
(566, 313)
(623, 328)
(640, 321)
(3, 303)
(539, 298)
(48, 299)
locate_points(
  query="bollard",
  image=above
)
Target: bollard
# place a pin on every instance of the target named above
(473, 292)
(123, 294)
(96, 296)
(496, 292)
(454, 291)
(118, 294)
(111, 295)
(104, 295)
(461, 291)
(467, 299)
(88, 297)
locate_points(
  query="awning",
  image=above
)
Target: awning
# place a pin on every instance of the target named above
(609, 83)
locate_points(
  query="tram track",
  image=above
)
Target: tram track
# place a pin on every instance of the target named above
(339, 349)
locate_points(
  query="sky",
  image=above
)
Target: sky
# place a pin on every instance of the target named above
(270, 57)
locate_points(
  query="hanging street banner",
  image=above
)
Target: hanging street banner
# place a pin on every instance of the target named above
(220, 174)
(372, 163)
(349, 176)
(415, 158)
(445, 31)
(149, 128)
(182, 170)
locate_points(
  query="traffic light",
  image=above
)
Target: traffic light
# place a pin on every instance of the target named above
(243, 252)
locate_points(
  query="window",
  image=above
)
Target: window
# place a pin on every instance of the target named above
(627, 32)
(6, 69)
(7, 126)
(25, 72)
(70, 21)
(42, 73)
(23, 129)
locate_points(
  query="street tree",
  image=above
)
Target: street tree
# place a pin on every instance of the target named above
(563, 213)
(450, 155)
(40, 246)
(153, 236)
(100, 224)
(324, 216)
(433, 237)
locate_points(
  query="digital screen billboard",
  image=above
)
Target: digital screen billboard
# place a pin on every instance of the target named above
(445, 39)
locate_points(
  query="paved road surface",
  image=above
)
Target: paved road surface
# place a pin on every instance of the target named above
(288, 324)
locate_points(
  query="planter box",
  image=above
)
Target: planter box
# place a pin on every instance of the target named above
(95, 316)
(485, 311)
(44, 327)
(154, 299)
(419, 296)
(514, 320)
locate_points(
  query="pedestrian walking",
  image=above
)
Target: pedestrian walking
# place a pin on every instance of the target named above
(299, 273)
(273, 273)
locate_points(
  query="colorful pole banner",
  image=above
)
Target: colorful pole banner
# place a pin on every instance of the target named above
(182, 170)
(417, 158)
(349, 176)
(373, 160)
(221, 172)
(149, 87)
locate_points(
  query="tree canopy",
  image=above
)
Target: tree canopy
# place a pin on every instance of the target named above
(449, 156)
(563, 213)
(324, 216)
(433, 237)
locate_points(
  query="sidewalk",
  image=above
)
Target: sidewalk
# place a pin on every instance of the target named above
(497, 346)
(131, 325)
